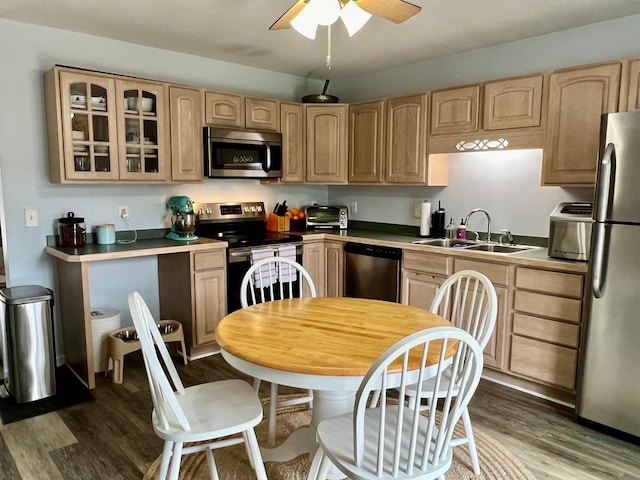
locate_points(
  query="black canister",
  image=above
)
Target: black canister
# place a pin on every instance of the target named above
(437, 222)
(71, 231)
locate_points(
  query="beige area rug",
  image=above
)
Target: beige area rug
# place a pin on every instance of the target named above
(496, 462)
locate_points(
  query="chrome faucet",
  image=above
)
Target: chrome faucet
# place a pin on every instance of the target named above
(466, 220)
(505, 233)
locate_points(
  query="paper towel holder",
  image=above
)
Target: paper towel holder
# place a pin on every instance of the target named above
(425, 219)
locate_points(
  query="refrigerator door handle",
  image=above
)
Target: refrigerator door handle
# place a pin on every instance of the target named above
(605, 184)
(597, 258)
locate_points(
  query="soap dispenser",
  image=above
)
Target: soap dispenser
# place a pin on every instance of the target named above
(461, 231)
(451, 230)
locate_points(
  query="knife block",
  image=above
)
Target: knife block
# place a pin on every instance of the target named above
(278, 224)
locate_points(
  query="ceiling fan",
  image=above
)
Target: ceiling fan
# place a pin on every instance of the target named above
(396, 11)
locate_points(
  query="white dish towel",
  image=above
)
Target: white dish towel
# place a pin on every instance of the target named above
(267, 274)
(287, 273)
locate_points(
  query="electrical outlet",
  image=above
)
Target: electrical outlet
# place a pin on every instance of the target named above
(123, 212)
(417, 210)
(30, 217)
(354, 207)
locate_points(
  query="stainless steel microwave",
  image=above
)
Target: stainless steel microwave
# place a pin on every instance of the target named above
(326, 216)
(236, 153)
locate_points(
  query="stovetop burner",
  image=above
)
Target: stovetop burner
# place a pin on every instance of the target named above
(239, 224)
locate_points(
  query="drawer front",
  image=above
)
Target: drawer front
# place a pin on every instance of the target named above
(567, 309)
(543, 361)
(208, 260)
(498, 274)
(566, 334)
(555, 283)
(438, 264)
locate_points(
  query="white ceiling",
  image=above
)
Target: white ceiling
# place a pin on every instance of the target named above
(238, 30)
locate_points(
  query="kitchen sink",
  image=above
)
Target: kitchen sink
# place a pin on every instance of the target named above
(497, 248)
(446, 242)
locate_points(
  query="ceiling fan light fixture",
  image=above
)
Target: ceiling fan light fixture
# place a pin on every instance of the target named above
(306, 23)
(325, 12)
(353, 17)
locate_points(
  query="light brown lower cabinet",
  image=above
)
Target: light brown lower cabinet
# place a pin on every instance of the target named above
(192, 287)
(547, 311)
(313, 260)
(334, 256)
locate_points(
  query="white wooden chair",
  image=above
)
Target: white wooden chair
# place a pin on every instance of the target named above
(391, 440)
(468, 300)
(276, 278)
(201, 413)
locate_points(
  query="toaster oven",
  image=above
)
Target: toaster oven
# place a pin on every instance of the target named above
(570, 231)
(326, 216)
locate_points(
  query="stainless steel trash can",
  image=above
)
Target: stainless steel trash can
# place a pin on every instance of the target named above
(28, 354)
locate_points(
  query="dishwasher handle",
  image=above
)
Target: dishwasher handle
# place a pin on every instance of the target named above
(373, 250)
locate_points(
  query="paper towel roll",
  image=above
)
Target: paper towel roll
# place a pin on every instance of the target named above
(425, 219)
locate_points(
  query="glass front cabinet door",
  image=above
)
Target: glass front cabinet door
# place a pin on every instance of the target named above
(141, 133)
(90, 146)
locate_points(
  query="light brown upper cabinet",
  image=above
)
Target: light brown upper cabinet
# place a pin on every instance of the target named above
(326, 143)
(366, 142)
(512, 103)
(292, 125)
(630, 86)
(455, 110)
(103, 128)
(406, 142)
(577, 99)
(233, 110)
(185, 110)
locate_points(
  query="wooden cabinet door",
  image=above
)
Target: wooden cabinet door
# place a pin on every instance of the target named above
(419, 289)
(210, 303)
(85, 146)
(326, 143)
(630, 88)
(455, 110)
(512, 103)
(334, 255)
(262, 114)
(313, 260)
(494, 351)
(185, 110)
(577, 100)
(142, 133)
(224, 109)
(405, 139)
(366, 142)
(292, 126)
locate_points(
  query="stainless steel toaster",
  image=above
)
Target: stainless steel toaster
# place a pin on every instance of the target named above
(570, 231)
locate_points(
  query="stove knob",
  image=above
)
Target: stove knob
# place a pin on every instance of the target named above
(209, 212)
(253, 209)
(259, 208)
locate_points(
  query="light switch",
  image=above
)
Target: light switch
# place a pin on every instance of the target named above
(30, 217)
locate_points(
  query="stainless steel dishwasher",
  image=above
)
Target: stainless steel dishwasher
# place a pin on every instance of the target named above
(372, 271)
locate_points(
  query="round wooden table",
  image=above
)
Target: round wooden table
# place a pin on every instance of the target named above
(327, 344)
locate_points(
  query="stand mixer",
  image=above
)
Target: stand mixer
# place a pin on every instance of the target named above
(183, 220)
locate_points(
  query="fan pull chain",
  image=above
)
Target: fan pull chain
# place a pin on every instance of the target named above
(329, 47)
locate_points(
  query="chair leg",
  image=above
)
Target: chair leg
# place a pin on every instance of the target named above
(174, 471)
(310, 394)
(325, 465)
(167, 451)
(468, 431)
(273, 404)
(412, 402)
(249, 453)
(315, 464)
(184, 351)
(258, 466)
(212, 464)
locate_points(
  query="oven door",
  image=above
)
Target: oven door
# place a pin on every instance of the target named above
(228, 158)
(238, 263)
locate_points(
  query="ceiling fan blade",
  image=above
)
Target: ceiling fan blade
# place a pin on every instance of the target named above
(395, 10)
(285, 19)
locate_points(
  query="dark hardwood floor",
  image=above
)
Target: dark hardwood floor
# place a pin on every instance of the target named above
(111, 438)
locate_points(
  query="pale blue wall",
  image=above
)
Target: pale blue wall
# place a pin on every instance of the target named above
(519, 202)
(26, 52)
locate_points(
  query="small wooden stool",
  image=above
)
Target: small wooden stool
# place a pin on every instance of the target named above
(124, 340)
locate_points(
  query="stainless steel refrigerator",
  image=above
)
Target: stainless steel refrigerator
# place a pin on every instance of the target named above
(609, 374)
